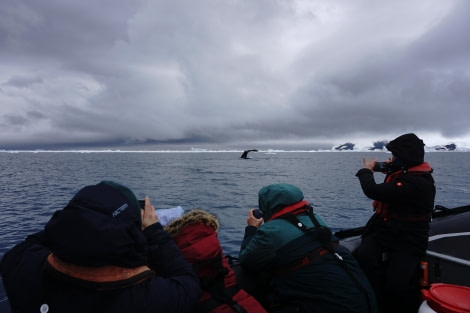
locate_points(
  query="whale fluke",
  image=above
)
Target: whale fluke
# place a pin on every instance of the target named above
(245, 153)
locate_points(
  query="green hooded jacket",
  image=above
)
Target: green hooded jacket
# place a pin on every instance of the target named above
(320, 286)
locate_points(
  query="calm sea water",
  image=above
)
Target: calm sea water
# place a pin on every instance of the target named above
(34, 185)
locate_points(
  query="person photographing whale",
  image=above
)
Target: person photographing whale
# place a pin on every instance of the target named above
(303, 266)
(396, 236)
(101, 253)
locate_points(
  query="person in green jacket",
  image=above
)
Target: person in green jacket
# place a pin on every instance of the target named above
(307, 268)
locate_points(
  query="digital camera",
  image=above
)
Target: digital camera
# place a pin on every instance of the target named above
(383, 167)
(257, 213)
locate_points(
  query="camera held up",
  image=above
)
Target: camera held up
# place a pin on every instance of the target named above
(257, 213)
(383, 167)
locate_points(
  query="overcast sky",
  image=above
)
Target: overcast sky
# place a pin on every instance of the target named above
(133, 71)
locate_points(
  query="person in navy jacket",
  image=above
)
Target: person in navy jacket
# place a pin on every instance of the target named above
(101, 253)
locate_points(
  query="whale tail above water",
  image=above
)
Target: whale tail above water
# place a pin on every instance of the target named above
(245, 153)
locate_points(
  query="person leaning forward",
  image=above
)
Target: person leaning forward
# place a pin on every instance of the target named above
(307, 269)
(101, 253)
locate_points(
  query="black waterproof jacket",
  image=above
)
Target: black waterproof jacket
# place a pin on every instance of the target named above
(408, 201)
(173, 288)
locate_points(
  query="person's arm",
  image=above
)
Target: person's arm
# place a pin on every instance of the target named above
(176, 283)
(32, 244)
(19, 267)
(250, 230)
(388, 191)
(256, 250)
(253, 224)
(381, 191)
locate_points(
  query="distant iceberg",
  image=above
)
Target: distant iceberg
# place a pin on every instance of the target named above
(344, 146)
(449, 147)
(379, 145)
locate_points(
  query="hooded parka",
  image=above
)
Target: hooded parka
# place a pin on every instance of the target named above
(396, 236)
(195, 233)
(320, 284)
(93, 256)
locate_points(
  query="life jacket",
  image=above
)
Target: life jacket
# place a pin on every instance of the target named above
(296, 208)
(195, 233)
(382, 209)
(329, 246)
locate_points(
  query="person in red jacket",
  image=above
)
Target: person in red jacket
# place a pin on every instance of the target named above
(195, 233)
(101, 253)
(396, 236)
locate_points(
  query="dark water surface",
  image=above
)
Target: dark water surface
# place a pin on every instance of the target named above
(34, 185)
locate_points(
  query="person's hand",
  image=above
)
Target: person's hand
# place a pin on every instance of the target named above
(252, 220)
(149, 216)
(369, 164)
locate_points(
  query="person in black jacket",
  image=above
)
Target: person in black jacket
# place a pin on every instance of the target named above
(101, 253)
(396, 236)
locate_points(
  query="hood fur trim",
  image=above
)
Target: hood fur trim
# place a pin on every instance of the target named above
(196, 216)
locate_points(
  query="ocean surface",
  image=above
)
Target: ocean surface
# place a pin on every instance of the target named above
(35, 184)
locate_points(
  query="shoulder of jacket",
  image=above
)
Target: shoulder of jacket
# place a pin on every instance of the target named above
(278, 232)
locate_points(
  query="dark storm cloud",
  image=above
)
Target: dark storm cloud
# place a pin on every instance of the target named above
(221, 71)
(55, 29)
(419, 86)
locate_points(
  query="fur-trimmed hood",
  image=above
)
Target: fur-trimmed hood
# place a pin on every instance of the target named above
(196, 216)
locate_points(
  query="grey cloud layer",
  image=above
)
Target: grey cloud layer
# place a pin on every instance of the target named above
(130, 71)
